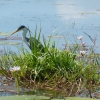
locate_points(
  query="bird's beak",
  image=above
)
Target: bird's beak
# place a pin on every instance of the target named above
(14, 32)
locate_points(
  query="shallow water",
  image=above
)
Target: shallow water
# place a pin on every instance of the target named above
(67, 16)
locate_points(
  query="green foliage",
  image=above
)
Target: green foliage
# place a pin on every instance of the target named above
(34, 97)
(72, 70)
(25, 97)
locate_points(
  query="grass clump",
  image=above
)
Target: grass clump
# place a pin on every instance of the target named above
(72, 70)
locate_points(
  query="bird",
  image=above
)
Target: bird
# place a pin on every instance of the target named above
(31, 42)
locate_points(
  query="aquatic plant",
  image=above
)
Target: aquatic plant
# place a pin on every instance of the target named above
(15, 71)
(80, 37)
(71, 70)
(35, 97)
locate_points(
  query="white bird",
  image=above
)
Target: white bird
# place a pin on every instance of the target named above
(31, 42)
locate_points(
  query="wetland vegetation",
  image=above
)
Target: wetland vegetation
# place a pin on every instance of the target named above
(73, 71)
(66, 73)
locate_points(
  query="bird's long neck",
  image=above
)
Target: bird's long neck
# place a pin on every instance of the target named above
(24, 36)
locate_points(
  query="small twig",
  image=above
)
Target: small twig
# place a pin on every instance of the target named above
(79, 86)
(71, 90)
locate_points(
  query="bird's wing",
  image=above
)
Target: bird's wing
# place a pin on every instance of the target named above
(28, 41)
(35, 43)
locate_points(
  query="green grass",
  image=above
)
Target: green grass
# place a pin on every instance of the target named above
(55, 69)
(34, 97)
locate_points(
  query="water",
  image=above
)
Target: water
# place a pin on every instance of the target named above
(67, 16)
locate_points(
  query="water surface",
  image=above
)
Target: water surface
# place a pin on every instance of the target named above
(67, 16)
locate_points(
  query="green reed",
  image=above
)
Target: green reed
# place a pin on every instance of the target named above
(68, 69)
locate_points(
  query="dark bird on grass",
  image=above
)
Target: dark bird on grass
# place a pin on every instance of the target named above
(31, 42)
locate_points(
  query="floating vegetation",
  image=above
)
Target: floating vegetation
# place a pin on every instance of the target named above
(35, 97)
(83, 13)
(58, 4)
(10, 38)
(9, 42)
(4, 34)
(98, 10)
(55, 36)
